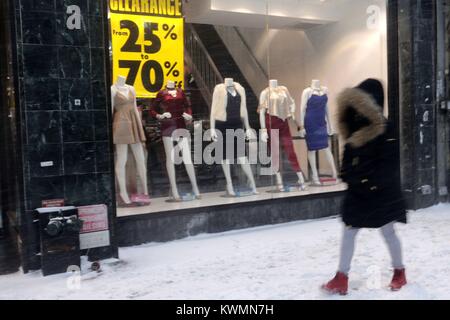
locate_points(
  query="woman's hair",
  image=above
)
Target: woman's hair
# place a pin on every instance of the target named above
(375, 89)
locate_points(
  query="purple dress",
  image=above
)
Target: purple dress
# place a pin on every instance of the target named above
(315, 123)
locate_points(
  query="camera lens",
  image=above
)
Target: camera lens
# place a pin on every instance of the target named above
(53, 228)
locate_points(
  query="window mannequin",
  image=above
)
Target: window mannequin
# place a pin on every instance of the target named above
(275, 109)
(128, 132)
(316, 127)
(229, 112)
(176, 110)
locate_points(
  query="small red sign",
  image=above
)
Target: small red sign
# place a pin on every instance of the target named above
(52, 203)
(95, 218)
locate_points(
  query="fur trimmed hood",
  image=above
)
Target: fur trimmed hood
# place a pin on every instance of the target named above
(364, 105)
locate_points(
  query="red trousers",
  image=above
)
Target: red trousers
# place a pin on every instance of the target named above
(285, 137)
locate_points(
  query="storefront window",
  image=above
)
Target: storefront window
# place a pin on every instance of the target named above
(268, 72)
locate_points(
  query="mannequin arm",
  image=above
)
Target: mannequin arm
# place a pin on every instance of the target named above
(327, 115)
(305, 98)
(212, 119)
(245, 113)
(136, 109)
(262, 121)
(212, 127)
(262, 109)
(153, 109)
(329, 125)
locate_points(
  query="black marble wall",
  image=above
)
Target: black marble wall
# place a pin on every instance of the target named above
(9, 254)
(417, 55)
(64, 113)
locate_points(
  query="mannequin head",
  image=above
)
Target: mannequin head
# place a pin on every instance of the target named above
(273, 83)
(170, 85)
(121, 81)
(229, 82)
(315, 84)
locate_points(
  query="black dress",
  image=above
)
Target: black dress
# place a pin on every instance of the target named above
(232, 123)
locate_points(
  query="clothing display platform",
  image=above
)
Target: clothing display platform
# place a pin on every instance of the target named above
(217, 198)
(217, 214)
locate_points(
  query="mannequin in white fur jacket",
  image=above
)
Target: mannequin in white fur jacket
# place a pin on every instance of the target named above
(219, 113)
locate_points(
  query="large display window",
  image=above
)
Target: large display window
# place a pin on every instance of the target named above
(218, 102)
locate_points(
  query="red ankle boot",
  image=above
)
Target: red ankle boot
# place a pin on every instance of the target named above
(398, 280)
(339, 285)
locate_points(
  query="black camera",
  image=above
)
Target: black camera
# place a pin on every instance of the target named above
(57, 224)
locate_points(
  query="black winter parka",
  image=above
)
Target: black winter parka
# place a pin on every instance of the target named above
(370, 163)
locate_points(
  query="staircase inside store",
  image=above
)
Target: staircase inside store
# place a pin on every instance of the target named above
(226, 65)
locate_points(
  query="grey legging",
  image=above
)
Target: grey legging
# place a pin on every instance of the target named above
(348, 247)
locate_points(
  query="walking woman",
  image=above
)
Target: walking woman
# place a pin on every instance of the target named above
(374, 198)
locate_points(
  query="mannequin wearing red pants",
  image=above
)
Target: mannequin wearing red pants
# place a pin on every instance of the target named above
(276, 108)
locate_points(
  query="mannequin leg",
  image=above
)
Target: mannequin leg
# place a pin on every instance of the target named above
(274, 147)
(168, 147)
(313, 164)
(301, 181)
(122, 155)
(138, 152)
(187, 159)
(330, 160)
(280, 184)
(288, 146)
(245, 165)
(227, 173)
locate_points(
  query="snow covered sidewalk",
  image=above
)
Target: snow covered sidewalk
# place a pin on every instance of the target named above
(287, 261)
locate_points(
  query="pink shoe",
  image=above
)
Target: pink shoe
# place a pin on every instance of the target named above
(141, 199)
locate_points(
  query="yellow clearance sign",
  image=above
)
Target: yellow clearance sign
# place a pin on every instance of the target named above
(147, 43)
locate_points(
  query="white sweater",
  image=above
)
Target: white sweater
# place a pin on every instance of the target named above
(220, 100)
(278, 101)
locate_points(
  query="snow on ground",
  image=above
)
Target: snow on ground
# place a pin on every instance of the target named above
(287, 261)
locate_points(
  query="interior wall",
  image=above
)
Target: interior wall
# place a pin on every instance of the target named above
(280, 53)
(340, 54)
(345, 53)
